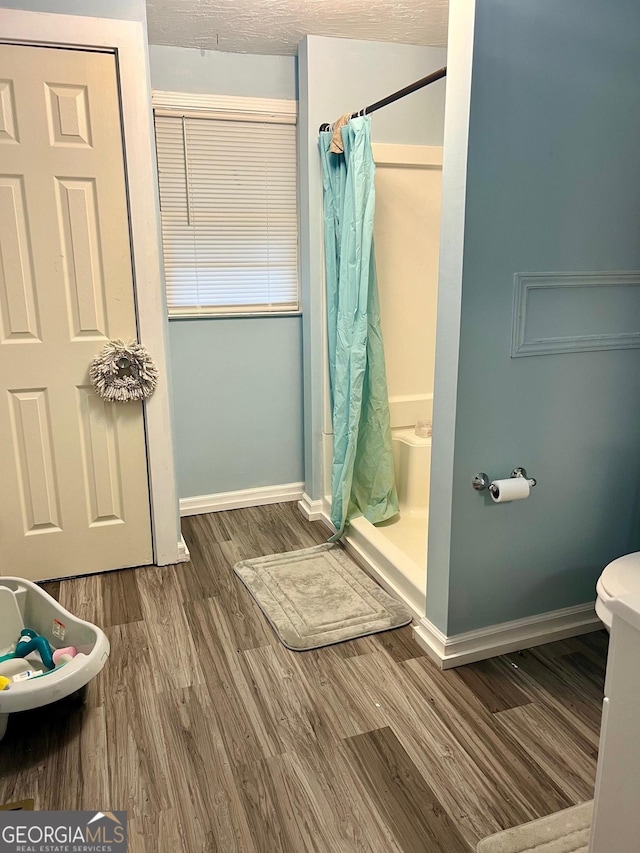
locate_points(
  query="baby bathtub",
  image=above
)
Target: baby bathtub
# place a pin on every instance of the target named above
(25, 605)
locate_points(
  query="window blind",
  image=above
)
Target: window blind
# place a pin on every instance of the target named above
(229, 214)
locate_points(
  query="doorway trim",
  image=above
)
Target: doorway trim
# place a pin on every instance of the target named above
(127, 40)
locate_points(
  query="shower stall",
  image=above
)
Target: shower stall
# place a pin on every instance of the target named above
(407, 136)
(407, 233)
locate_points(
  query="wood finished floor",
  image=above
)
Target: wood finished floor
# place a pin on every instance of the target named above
(214, 737)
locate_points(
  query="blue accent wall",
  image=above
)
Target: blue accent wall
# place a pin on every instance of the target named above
(553, 185)
(237, 382)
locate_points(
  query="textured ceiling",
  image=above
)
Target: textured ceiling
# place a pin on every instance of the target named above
(276, 26)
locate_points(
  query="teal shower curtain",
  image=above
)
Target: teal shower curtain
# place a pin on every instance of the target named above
(362, 481)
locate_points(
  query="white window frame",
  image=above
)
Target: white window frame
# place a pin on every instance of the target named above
(229, 108)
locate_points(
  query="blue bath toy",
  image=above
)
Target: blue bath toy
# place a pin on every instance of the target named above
(31, 642)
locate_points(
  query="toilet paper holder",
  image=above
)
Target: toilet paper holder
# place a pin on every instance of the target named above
(481, 480)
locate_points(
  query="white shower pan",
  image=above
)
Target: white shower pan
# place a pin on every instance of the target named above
(25, 605)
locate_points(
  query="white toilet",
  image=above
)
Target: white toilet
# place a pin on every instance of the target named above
(620, 577)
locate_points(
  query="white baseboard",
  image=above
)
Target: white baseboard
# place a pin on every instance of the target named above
(312, 510)
(183, 552)
(244, 497)
(458, 649)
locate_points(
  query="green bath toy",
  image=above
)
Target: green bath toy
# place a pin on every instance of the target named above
(31, 642)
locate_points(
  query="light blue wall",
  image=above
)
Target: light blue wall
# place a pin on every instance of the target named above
(179, 69)
(123, 10)
(338, 76)
(236, 389)
(553, 185)
(237, 385)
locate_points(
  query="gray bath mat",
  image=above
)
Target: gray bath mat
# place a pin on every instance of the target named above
(319, 596)
(563, 832)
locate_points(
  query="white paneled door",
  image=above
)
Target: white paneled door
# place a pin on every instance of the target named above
(74, 495)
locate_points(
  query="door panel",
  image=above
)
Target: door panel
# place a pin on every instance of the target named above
(74, 494)
(19, 316)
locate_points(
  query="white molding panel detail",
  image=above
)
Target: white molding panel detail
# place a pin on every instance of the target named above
(556, 312)
(242, 498)
(458, 649)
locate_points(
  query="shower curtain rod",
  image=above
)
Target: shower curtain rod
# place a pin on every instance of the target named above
(419, 84)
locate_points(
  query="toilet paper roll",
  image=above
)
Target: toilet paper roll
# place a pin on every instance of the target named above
(513, 489)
